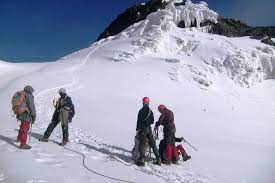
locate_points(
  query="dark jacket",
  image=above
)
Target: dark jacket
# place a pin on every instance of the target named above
(63, 107)
(167, 120)
(145, 118)
(29, 117)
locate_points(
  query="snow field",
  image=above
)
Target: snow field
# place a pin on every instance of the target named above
(220, 89)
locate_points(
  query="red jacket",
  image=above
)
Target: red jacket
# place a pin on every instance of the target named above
(167, 120)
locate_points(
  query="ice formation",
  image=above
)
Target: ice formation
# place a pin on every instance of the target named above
(167, 19)
(161, 34)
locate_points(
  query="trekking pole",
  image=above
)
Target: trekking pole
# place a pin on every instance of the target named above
(190, 145)
(30, 134)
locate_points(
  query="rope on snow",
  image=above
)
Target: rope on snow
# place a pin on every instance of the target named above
(97, 173)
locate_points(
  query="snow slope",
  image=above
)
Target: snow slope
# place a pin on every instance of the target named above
(223, 104)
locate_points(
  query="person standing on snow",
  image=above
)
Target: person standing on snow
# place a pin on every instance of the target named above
(167, 120)
(144, 132)
(26, 117)
(62, 113)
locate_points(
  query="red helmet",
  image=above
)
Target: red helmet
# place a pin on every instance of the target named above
(146, 100)
(161, 107)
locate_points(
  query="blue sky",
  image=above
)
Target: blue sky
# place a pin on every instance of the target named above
(45, 30)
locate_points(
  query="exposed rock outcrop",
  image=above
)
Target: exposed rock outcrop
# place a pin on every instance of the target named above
(236, 28)
(130, 16)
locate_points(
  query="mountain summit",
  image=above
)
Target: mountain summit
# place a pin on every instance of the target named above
(223, 26)
(140, 12)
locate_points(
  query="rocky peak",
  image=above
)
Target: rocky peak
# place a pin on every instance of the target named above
(219, 25)
(131, 16)
(236, 28)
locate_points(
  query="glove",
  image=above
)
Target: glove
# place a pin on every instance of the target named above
(33, 118)
(157, 124)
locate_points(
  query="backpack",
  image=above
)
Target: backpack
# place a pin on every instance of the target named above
(19, 105)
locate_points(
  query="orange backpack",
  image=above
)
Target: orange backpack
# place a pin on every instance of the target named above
(19, 105)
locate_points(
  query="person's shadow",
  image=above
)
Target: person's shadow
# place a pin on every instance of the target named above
(9, 140)
(101, 150)
(108, 152)
(36, 135)
(12, 141)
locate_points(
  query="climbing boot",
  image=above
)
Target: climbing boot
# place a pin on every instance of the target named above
(63, 143)
(185, 158)
(157, 162)
(43, 139)
(175, 161)
(166, 162)
(140, 162)
(25, 146)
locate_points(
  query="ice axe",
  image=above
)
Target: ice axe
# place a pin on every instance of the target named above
(189, 144)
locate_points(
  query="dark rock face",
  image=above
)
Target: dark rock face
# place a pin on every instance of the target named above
(268, 41)
(261, 32)
(236, 28)
(131, 16)
(181, 3)
(227, 27)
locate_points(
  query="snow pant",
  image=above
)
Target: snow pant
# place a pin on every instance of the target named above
(174, 152)
(145, 135)
(135, 150)
(23, 132)
(162, 148)
(52, 125)
(171, 150)
(182, 150)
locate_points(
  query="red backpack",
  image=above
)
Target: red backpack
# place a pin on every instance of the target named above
(19, 105)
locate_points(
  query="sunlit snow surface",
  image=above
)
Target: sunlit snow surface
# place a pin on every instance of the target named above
(220, 89)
